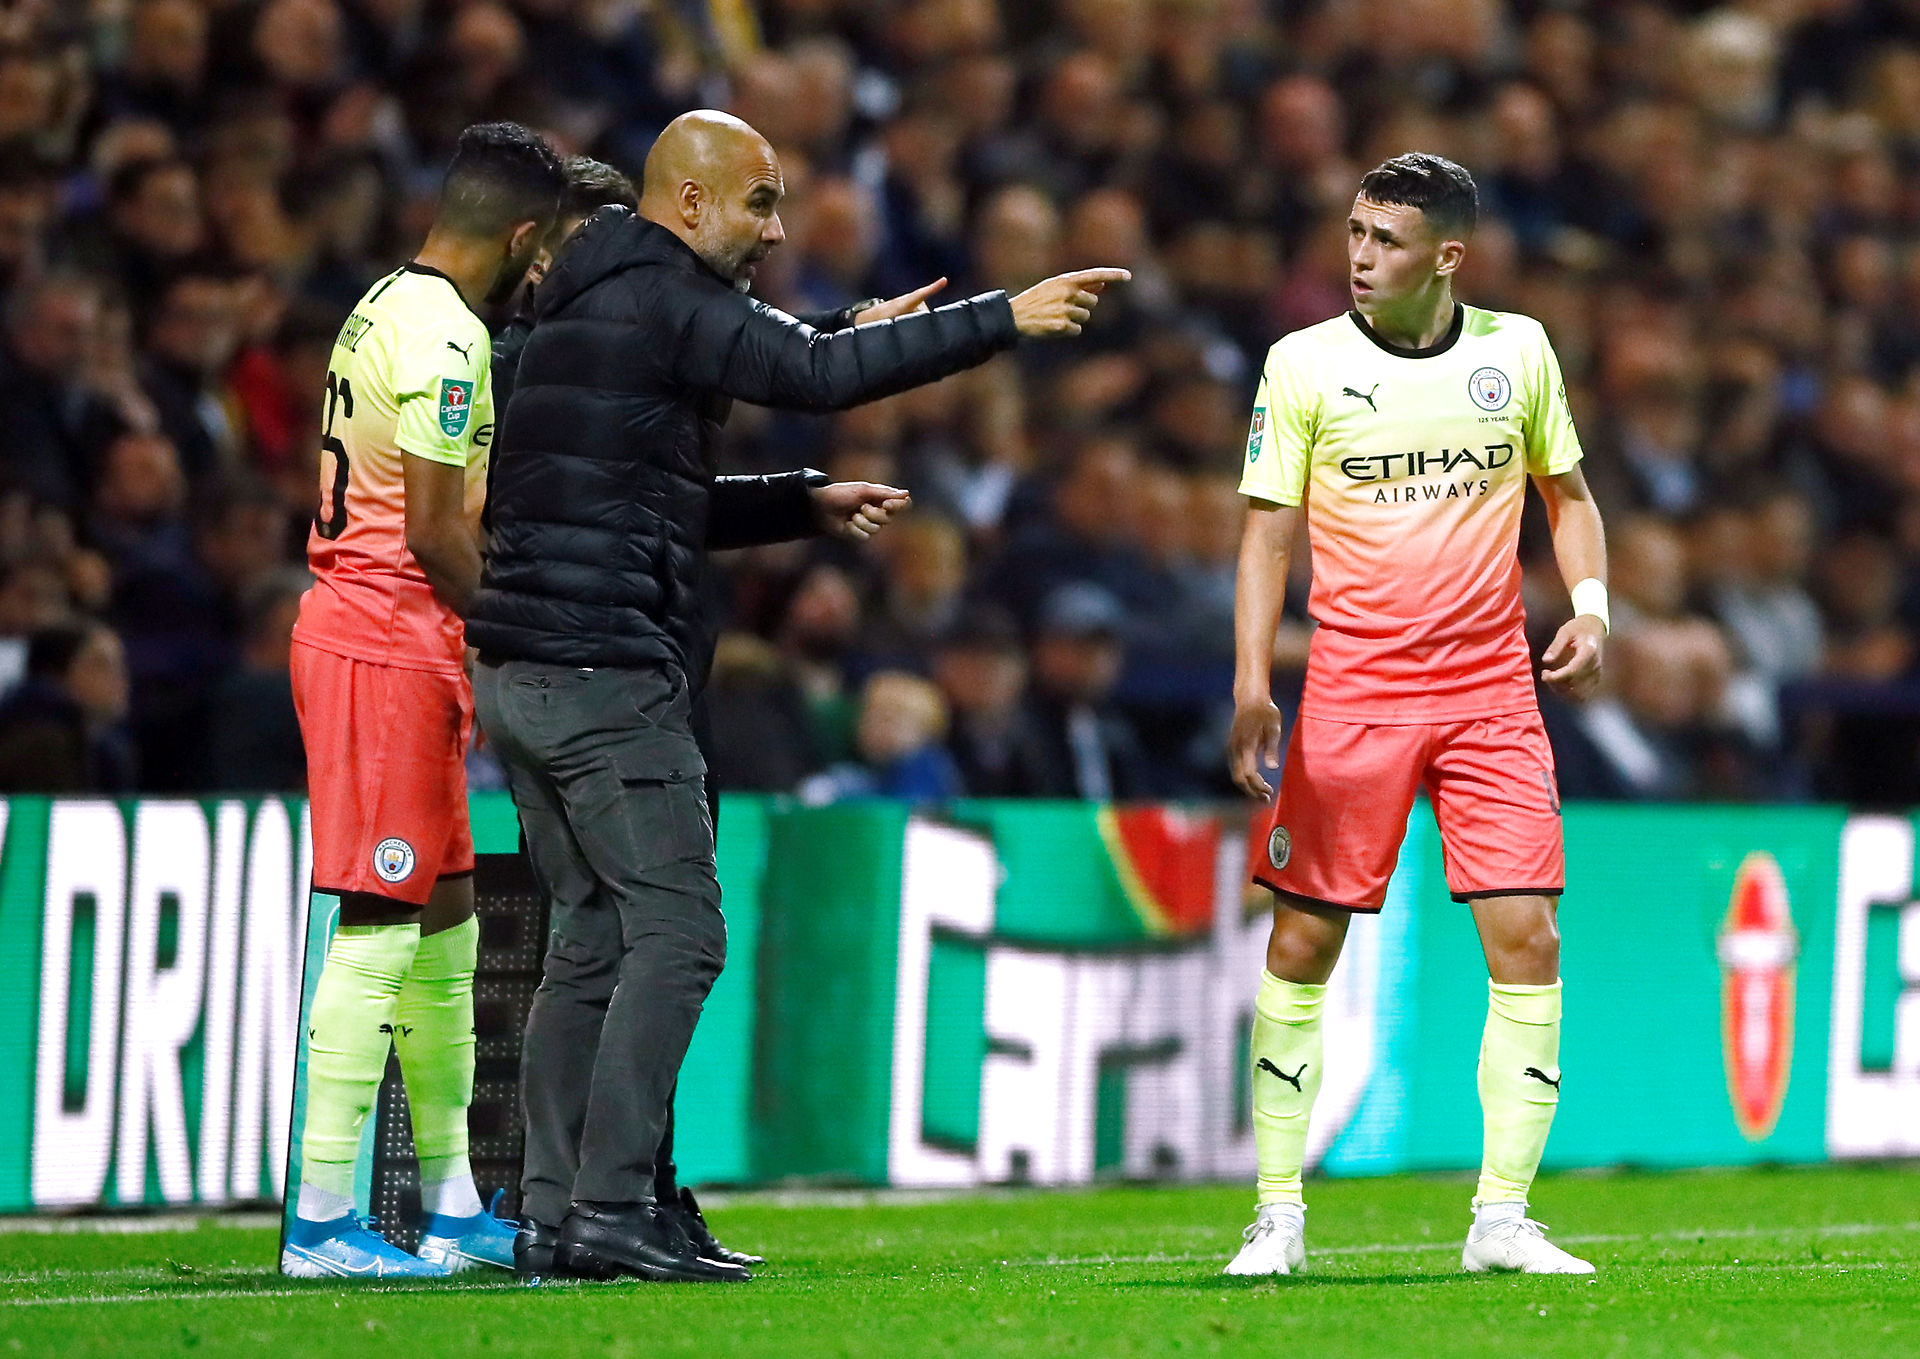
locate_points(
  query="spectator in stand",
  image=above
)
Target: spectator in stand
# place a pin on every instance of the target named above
(154, 225)
(1088, 747)
(163, 75)
(165, 604)
(27, 192)
(32, 597)
(923, 577)
(192, 336)
(763, 737)
(61, 728)
(1088, 536)
(1859, 583)
(1763, 602)
(982, 673)
(903, 720)
(966, 443)
(56, 428)
(816, 638)
(256, 738)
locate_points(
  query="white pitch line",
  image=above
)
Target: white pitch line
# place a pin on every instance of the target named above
(238, 1293)
(1192, 1257)
(135, 1226)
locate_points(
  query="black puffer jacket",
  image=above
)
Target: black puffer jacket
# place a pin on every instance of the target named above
(603, 467)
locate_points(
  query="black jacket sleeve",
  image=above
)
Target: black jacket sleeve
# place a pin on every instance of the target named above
(755, 511)
(731, 344)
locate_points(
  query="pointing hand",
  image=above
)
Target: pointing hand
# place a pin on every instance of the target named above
(1062, 304)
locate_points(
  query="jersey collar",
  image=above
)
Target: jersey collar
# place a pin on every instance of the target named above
(1434, 350)
(415, 267)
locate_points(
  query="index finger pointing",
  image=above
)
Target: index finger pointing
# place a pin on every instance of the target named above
(1085, 276)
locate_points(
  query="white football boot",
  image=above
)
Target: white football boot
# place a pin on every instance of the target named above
(1276, 1243)
(1503, 1239)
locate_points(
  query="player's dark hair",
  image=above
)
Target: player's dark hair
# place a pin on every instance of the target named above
(502, 175)
(593, 184)
(1440, 188)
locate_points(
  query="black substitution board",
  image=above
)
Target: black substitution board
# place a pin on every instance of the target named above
(513, 939)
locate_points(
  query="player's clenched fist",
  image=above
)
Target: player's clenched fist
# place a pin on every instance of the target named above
(1254, 741)
(1572, 663)
(1061, 305)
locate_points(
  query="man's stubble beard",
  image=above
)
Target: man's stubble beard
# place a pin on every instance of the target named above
(728, 261)
(512, 274)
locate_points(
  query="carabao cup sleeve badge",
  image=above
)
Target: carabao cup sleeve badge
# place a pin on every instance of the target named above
(456, 406)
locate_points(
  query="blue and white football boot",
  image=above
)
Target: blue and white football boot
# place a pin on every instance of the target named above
(347, 1247)
(457, 1244)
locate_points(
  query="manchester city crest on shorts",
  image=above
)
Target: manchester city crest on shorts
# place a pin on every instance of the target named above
(393, 859)
(456, 406)
(1489, 389)
(1279, 847)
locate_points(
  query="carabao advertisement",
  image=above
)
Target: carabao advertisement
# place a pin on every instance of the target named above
(984, 993)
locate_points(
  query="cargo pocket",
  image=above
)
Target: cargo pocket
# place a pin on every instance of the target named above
(663, 796)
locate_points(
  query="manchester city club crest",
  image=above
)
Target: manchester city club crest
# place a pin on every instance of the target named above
(393, 859)
(1489, 389)
(1279, 847)
(456, 406)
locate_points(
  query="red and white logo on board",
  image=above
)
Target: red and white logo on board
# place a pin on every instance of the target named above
(1757, 948)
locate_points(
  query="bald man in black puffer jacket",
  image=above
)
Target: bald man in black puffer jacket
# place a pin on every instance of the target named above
(591, 639)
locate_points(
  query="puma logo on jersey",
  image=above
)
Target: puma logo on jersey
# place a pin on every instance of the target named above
(1366, 396)
(458, 350)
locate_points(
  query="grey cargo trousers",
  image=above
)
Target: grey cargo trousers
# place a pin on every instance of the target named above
(611, 792)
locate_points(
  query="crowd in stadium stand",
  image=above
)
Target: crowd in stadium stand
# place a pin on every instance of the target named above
(1714, 210)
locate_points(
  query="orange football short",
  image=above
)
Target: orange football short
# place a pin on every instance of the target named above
(1346, 790)
(386, 774)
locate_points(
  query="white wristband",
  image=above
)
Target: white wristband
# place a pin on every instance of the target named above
(1590, 596)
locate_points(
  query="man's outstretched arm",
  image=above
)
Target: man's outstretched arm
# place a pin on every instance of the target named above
(747, 350)
(755, 511)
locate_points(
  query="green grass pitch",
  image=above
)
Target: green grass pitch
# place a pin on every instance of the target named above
(1764, 1263)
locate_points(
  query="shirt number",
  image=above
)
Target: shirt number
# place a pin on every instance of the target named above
(339, 395)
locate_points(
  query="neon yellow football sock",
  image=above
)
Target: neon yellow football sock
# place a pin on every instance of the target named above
(1519, 1087)
(349, 1033)
(1286, 1077)
(433, 1031)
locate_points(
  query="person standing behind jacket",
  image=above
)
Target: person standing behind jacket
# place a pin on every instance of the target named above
(590, 637)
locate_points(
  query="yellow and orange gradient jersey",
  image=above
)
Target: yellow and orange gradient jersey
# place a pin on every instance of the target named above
(1413, 467)
(410, 374)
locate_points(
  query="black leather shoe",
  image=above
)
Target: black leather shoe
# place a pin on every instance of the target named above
(533, 1249)
(634, 1240)
(686, 1211)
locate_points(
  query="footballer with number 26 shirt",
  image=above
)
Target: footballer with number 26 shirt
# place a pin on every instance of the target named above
(386, 710)
(1409, 428)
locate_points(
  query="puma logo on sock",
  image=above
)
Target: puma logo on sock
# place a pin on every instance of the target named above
(1294, 1079)
(1540, 1076)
